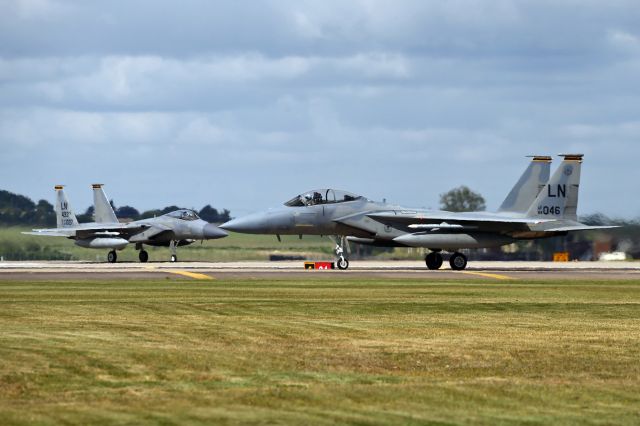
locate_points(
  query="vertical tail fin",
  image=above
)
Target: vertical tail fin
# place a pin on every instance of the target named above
(64, 213)
(529, 186)
(559, 198)
(103, 212)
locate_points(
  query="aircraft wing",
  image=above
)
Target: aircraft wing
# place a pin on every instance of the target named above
(353, 221)
(150, 232)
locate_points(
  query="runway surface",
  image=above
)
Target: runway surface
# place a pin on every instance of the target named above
(496, 271)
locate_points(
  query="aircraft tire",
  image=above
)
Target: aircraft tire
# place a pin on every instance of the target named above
(458, 261)
(433, 260)
(342, 263)
(174, 258)
(112, 256)
(143, 256)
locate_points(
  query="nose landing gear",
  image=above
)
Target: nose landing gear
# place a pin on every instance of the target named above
(341, 262)
(173, 246)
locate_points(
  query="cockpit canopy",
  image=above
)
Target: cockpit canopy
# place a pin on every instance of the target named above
(322, 196)
(184, 214)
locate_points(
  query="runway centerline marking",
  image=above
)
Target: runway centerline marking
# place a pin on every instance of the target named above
(193, 275)
(487, 275)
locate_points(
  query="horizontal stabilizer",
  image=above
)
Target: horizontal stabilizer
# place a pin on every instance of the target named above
(52, 233)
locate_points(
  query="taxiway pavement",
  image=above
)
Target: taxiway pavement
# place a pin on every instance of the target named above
(499, 271)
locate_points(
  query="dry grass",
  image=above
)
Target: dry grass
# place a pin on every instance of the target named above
(363, 352)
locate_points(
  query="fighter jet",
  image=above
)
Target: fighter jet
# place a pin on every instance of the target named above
(177, 228)
(536, 207)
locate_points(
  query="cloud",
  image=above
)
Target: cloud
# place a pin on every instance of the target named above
(248, 103)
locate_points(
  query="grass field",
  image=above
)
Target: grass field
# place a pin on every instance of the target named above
(320, 352)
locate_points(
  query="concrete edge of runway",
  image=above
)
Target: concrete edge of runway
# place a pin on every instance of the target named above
(297, 265)
(365, 265)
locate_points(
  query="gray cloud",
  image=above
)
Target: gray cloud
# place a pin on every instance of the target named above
(243, 104)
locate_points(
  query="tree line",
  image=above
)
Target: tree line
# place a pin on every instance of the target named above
(16, 209)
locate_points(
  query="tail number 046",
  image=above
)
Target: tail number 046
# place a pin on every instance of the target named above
(549, 210)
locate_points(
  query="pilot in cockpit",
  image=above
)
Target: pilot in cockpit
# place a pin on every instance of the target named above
(317, 198)
(307, 199)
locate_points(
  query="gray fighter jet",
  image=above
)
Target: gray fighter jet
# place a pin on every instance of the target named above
(535, 208)
(178, 228)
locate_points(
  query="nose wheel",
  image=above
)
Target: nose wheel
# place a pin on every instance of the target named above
(341, 262)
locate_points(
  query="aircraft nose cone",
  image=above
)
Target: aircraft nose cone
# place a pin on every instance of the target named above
(210, 231)
(252, 224)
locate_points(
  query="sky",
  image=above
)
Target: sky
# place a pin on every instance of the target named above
(245, 104)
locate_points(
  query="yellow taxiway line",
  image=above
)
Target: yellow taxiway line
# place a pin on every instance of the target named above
(487, 275)
(193, 275)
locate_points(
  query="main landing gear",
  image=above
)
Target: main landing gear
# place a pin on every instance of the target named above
(341, 259)
(112, 256)
(457, 261)
(433, 260)
(143, 256)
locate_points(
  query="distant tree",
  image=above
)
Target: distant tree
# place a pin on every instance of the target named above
(209, 214)
(87, 216)
(16, 209)
(225, 216)
(169, 209)
(157, 212)
(44, 214)
(9, 200)
(212, 215)
(127, 212)
(149, 214)
(462, 199)
(597, 219)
